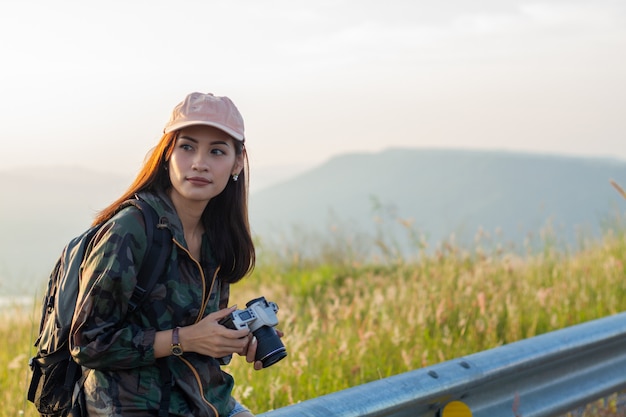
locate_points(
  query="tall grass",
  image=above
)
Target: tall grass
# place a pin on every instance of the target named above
(17, 333)
(348, 321)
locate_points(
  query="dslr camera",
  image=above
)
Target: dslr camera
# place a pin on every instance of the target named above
(260, 317)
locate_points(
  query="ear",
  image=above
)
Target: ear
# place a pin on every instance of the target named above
(238, 167)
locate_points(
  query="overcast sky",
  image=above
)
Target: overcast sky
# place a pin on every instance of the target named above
(92, 83)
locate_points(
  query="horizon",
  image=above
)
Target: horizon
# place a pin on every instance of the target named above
(266, 176)
(464, 200)
(513, 75)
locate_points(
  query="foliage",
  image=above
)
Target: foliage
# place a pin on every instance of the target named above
(348, 321)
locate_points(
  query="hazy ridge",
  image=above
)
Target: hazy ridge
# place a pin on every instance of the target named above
(442, 191)
(447, 191)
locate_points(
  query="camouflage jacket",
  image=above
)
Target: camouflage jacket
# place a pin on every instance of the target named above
(117, 351)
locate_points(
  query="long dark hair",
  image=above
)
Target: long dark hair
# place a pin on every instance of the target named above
(225, 218)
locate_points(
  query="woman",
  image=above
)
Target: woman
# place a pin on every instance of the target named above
(163, 355)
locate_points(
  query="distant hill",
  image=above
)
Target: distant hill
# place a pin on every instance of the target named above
(441, 191)
(446, 192)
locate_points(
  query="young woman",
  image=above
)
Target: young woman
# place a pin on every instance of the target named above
(162, 357)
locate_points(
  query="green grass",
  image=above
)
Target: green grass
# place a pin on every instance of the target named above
(17, 331)
(348, 322)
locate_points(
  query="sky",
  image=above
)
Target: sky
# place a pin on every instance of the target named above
(92, 84)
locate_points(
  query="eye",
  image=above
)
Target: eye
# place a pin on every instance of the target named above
(217, 151)
(185, 147)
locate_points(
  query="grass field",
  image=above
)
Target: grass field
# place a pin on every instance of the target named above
(348, 322)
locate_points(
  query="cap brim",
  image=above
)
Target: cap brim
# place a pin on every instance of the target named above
(181, 125)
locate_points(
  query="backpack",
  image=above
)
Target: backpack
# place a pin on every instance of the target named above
(54, 372)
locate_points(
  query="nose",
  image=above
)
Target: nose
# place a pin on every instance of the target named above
(200, 163)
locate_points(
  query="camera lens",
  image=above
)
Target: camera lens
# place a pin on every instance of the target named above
(269, 348)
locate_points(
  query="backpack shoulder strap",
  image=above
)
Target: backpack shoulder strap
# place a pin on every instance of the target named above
(152, 268)
(158, 252)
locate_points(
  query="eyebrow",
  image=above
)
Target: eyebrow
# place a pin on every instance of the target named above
(215, 142)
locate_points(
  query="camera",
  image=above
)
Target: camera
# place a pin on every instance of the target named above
(260, 318)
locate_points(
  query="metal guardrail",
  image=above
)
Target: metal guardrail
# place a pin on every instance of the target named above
(546, 375)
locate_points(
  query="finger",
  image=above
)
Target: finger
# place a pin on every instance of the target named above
(251, 353)
(233, 340)
(218, 315)
(237, 334)
(244, 352)
(229, 346)
(258, 365)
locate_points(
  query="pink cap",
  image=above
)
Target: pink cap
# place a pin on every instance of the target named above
(209, 110)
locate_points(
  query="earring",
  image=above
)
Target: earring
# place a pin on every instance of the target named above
(235, 177)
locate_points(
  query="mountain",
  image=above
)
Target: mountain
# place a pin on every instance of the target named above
(440, 192)
(445, 192)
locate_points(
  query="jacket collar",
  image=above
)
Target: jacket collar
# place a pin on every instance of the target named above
(164, 207)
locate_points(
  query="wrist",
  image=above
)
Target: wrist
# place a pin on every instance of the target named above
(185, 339)
(176, 347)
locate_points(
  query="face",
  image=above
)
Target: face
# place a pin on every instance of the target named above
(202, 162)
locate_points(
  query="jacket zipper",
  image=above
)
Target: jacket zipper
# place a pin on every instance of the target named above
(199, 381)
(205, 300)
(205, 296)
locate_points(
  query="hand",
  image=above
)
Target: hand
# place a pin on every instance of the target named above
(208, 337)
(250, 352)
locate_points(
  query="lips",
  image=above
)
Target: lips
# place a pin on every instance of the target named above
(198, 181)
